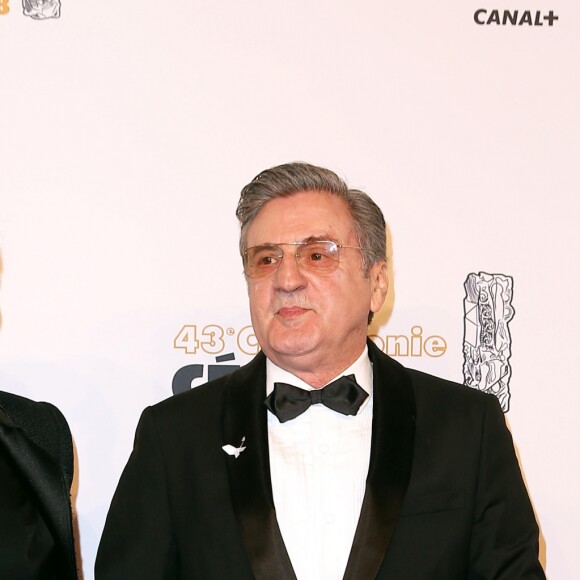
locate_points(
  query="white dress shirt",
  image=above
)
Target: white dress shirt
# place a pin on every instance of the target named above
(318, 464)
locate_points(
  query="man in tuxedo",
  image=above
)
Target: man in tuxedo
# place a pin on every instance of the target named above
(36, 472)
(322, 458)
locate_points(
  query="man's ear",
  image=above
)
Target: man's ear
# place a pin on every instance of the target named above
(379, 285)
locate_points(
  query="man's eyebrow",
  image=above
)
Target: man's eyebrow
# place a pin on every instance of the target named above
(323, 238)
(308, 240)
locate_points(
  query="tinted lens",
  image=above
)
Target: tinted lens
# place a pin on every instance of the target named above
(321, 257)
(262, 260)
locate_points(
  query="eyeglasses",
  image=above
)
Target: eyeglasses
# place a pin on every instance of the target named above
(319, 257)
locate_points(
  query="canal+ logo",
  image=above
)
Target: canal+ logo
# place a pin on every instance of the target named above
(495, 17)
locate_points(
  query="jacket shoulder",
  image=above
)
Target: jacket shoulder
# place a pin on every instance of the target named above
(45, 425)
(445, 395)
(207, 399)
(429, 390)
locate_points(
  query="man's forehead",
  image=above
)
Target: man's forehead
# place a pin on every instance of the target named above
(305, 202)
(305, 216)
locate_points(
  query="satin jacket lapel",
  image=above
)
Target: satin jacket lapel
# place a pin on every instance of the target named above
(249, 473)
(42, 474)
(393, 436)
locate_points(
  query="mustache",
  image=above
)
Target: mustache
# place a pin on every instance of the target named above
(291, 302)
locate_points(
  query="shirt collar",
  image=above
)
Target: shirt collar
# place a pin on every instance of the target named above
(361, 368)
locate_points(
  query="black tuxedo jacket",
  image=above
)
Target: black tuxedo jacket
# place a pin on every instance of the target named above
(38, 441)
(444, 496)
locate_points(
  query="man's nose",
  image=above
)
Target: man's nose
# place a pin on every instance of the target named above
(288, 276)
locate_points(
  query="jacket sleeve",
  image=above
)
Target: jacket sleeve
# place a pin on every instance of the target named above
(137, 542)
(504, 541)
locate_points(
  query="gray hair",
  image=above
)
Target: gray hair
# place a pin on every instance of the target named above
(286, 180)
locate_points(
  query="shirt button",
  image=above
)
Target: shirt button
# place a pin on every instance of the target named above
(329, 518)
(323, 448)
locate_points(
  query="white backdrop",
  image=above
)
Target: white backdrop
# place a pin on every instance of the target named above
(128, 128)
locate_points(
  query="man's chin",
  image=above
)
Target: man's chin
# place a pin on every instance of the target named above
(290, 349)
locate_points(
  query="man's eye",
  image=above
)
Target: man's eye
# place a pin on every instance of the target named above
(266, 260)
(317, 257)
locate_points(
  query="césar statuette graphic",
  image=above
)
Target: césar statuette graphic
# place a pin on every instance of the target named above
(486, 341)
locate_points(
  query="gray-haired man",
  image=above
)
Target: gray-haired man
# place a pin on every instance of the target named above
(339, 462)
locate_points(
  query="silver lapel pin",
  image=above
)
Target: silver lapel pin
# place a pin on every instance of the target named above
(235, 451)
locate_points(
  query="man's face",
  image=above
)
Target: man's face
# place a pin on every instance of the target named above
(311, 325)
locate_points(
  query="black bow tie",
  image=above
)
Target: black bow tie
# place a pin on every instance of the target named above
(343, 396)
